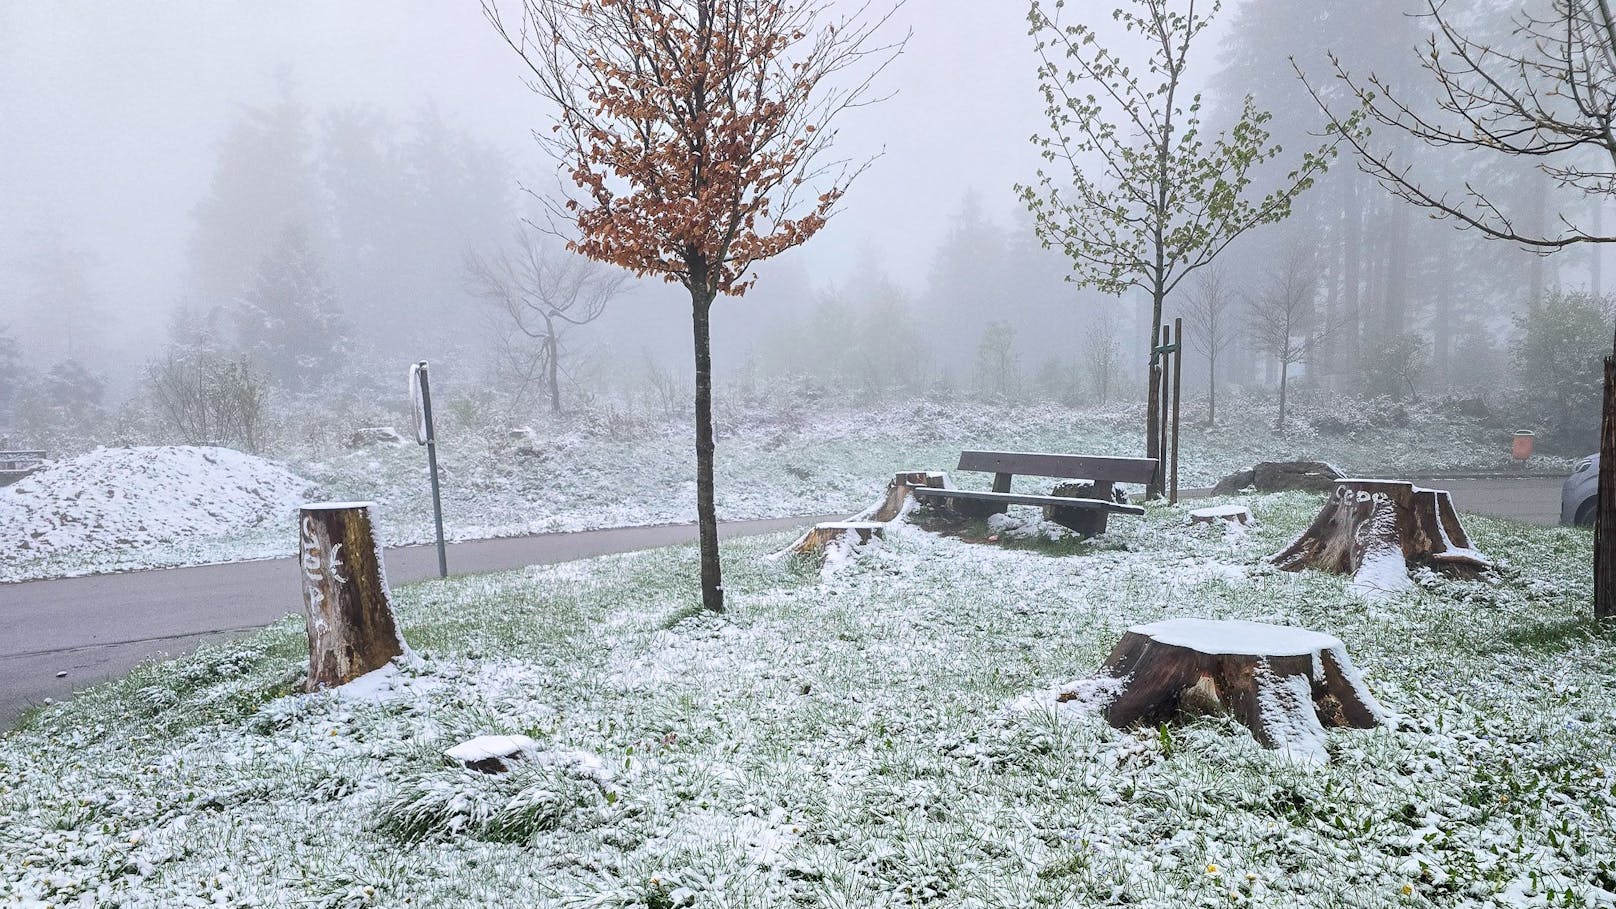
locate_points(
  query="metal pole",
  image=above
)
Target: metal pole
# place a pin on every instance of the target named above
(1178, 381)
(432, 464)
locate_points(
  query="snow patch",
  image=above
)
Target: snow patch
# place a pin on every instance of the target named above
(114, 498)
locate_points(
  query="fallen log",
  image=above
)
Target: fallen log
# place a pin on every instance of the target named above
(1284, 684)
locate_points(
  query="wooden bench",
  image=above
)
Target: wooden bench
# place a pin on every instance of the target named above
(1085, 515)
(14, 465)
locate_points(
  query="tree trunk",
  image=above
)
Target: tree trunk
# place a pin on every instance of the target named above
(1375, 529)
(1605, 523)
(555, 372)
(349, 613)
(1153, 402)
(1352, 271)
(712, 577)
(1284, 684)
(1212, 388)
(1284, 374)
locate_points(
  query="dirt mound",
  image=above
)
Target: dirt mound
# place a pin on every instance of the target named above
(132, 497)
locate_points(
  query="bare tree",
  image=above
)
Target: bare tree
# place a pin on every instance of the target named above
(1142, 195)
(542, 291)
(1102, 355)
(696, 135)
(1209, 315)
(1548, 96)
(1283, 318)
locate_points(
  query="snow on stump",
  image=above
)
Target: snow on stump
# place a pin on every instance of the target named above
(900, 499)
(815, 541)
(1374, 529)
(347, 605)
(1228, 514)
(492, 753)
(1285, 684)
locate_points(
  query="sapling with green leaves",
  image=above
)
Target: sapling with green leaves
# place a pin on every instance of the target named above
(1134, 190)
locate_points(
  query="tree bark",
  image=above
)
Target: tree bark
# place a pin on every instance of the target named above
(1153, 402)
(347, 606)
(712, 576)
(1284, 375)
(555, 372)
(1284, 684)
(1605, 523)
(1212, 388)
(1375, 529)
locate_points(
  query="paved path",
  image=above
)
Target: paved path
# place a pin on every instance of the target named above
(97, 627)
(1535, 500)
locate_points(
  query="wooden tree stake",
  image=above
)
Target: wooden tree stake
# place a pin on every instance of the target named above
(1285, 684)
(347, 605)
(1605, 520)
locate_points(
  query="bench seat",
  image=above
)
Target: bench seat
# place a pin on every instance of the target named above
(1011, 498)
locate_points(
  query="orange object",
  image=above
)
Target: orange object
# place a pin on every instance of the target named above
(1522, 446)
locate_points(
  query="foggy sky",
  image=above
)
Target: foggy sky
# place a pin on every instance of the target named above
(111, 115)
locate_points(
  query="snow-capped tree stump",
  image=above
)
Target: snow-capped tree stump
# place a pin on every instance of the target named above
(1374, 529)
(900, 495)
(347, 605)
(1227, 514)
(822, 535)
(1285, 684)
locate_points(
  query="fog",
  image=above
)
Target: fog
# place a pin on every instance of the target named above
(152, 156)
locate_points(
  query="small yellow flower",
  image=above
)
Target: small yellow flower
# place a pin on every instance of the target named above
(1211, 869)
(1408, 889)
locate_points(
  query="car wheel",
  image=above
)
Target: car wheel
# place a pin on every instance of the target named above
(1586, 513)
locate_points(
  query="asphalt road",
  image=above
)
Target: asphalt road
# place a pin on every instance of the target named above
(1534, 500)
(97, 627)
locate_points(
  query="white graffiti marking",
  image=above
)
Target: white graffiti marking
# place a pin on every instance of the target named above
(318, 564)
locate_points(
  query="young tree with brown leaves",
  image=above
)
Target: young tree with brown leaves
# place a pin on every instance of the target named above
(695, 134)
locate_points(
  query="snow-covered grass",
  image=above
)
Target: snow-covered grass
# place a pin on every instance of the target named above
(779, 457)
(853, 739)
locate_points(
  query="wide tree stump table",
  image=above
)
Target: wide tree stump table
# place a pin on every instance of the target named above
(1285, 684)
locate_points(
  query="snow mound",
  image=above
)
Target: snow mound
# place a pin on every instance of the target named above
(133, 497)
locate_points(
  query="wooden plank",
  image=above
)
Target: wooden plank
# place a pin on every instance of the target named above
(1018, 499)
(1070, 467)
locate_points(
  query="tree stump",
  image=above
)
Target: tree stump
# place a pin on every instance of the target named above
(816, 540)
(1374, 529)
(1087, 521)
(899, 498)
(1228, 514)
(347, 605)
(1284, 684)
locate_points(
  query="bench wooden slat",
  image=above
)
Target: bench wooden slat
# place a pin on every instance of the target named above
(1070, 467)
(1018, 499)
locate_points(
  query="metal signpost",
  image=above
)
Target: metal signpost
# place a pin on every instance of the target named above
(421, 397)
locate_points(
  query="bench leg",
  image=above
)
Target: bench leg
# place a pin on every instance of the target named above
(976, 508)
(1086, 521)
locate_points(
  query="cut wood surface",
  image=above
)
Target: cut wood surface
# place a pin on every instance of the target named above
(347, 606)
(823, 535)
(1233, 514)
(1374, 529)
(1284, 684)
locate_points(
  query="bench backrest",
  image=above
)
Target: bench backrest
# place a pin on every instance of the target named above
(1070, 467)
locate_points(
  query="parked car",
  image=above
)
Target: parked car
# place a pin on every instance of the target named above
(1579, 497)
